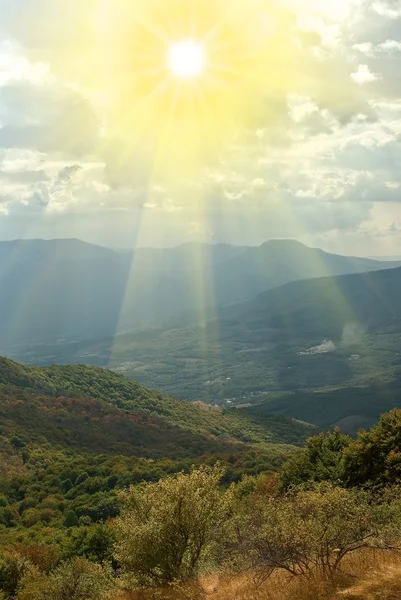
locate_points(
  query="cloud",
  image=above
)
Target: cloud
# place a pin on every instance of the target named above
(67, 173)
(24, 177)
(53, 31)
(390, 9)
(47, 118)
(56, 195)
(369, 49)
(364, 75)
(16, 68)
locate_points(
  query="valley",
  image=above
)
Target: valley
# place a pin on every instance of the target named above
(323, 339)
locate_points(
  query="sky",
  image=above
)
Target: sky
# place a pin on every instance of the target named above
(293, 130)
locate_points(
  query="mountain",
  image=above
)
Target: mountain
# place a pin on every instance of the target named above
(320, 350)
(325, 306)
(351, 408)
(71, 290)
(278, 262)
(33, 251)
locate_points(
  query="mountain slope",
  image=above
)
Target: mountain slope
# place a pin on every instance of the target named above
(71, 437)
(96, 410)
(321, 306)
(67, 289)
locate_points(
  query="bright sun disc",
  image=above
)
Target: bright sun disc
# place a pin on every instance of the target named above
(187, 59)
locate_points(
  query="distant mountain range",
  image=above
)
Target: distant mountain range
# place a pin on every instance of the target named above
(71, 290)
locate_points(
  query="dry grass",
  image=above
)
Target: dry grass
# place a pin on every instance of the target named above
(368, 575)
(382, 585)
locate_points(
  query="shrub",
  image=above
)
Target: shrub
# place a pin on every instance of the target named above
(308, 530)
(167, 529)
(78, 579)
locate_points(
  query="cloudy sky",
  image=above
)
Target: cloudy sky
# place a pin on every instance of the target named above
(303, 140)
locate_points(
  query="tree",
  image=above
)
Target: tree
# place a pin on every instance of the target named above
(375, 457)
(320, 460)
(12, 570)
(42, 556)
(94, 542)
(168, 529)
(309, 530)
(71, 519)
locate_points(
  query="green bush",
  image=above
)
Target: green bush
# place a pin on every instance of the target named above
(78, 579)
(168, 529)
(321, 460)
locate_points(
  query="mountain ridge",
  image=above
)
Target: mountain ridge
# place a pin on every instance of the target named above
(74, 290)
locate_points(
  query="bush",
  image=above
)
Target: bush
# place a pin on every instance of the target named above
(309, 530)
(168, 529)
(75, 580)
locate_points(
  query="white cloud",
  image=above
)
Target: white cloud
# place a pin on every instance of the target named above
(47, 118)
(390, 46)
(364, 75)
(364, 48)
(390, 9)
(14, 67)
(370, 49)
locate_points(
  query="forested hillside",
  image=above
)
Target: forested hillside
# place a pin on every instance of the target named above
(70, 437)
(74, 391)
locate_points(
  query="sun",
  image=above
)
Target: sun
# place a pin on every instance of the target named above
(187, 59)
